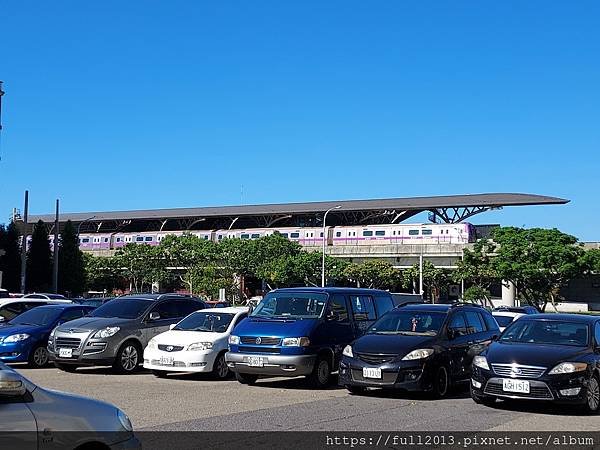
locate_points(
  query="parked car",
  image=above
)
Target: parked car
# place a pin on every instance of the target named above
(552, 357)
(60, 420)
(518, 309)
(12, 307)
(25, 338)
(4, 293)
(93, 301)
(117, 332)
(198, 343)
(505, 318)
(302, 331)
(43, 296)
(418, 347)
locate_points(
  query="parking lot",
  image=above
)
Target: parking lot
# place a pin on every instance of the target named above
(194, 402)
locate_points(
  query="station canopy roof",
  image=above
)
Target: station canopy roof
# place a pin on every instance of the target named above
(441, 209)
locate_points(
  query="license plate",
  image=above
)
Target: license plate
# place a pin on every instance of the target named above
(256, 361)
(167, 360)
(65, 352)
(372, 372)
(519, 386)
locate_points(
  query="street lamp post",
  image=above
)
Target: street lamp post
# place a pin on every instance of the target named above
(324, 239)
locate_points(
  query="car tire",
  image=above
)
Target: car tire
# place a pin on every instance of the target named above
(159, 373)
(592, 403)
(356, 390)
(441, 382)
(128, 358)
(321, 374)
(66, 367)
(246, 378)
(220, 371)
(38, 357)
(480, 400)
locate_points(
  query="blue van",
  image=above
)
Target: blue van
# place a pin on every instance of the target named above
(302, 331)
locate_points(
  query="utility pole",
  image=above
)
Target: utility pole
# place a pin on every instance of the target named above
(24, 244)
(55, 254)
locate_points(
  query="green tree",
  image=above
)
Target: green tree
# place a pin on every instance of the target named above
(142, 265)
(590, 261)
(302, 268)
(374, 274)
(11, 261)
(477, 268)
(39, 260)
(434, 279)
(102, 273)
(71, 268)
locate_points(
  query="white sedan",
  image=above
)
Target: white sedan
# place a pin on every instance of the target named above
(197, 343)
(505, 318)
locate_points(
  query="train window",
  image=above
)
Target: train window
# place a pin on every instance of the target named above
(118, 239)
(219, 237)
(321, 234)
(139, 239)
(105, 239)
(295, 235)
(427, 232)
(85, 240)
(338, 234)
(148, 239)
(380, 233)
(255, 236)
(205, 237)
(245, 236)
(413, 232)
(367, 233)
(285, 235)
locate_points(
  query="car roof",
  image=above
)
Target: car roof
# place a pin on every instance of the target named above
(439, 307)
(581, 318)
(508, 314)
(229, 310)
(62, 306)
(155, 297)
(53, 301)
(338, 290)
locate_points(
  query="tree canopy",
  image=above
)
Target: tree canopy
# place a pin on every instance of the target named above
(71, 267)
(39, 260)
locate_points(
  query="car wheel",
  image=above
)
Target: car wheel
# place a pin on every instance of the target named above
(593, 395)
(220, 369)
(246, 378)
(356, 390)
(441, 382)
(160, 373)
(38, 357)
(66, 367)
(480, 400)
(321, 374)
(128, 358)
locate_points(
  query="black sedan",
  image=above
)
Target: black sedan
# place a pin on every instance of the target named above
(418, 347)
(542, 357)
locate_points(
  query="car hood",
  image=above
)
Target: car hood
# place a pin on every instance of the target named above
(179, 337)
(542, 355)
(275, 328)
(93, 323)
(9, 330)
(391, 344)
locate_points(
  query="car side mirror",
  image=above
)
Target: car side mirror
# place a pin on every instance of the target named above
(11, 384)
(154, 316)
(451, 334)
(173, 325)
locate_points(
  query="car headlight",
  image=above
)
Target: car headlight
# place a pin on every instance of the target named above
(295, 342)
(152, 344)
(52, 332)
(568, 367)
(348, 351)
(200, 346)
(420, 353)
(481, 362)
(125, 422)
(234, 340)
(16, 337)
(106, 332)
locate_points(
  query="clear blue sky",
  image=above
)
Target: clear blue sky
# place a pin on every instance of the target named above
(118, 105)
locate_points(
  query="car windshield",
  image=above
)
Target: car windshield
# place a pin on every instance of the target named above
(503, 321)
(205, 321)
(547, 332)
(409, 322)
(293, 306)
(122, 308)
(37, 316)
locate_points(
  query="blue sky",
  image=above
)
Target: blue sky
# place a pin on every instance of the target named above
(143, 104)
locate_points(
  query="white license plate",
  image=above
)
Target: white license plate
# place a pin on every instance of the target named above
(167, 360)
(372, 372)
(65, 352)
(519, 386)
(256, 361)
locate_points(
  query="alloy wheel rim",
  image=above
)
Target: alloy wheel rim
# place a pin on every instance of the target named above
(222, 368)
(40, 356)
(442, 381)
(129, 358)
(593, 394)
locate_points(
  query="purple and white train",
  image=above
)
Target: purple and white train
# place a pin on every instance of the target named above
(460, 233)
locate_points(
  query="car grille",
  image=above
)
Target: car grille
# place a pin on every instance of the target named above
(387, 378)
(246, 349)
(374, 358)
(263, 340)
(62, 342)
(537, 390)
(518, 371)
(173, 348)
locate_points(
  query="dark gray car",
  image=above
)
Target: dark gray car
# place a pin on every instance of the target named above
(117, 332)
(59, 420)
